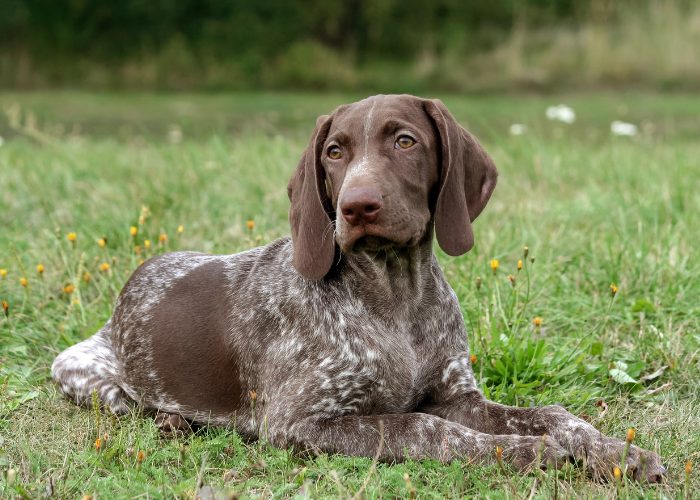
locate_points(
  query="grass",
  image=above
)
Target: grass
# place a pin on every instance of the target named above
(592, 208)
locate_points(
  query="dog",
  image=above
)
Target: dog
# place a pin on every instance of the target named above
(346, 337)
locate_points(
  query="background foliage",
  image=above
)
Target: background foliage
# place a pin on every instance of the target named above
(408, 45)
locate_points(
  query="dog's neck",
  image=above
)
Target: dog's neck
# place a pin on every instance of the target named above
(390, 281)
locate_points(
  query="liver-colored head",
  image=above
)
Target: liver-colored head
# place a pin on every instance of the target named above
(377, 172)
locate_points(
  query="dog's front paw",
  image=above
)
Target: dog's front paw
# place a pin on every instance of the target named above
(603, 455)
(171, 425)
(600, 453)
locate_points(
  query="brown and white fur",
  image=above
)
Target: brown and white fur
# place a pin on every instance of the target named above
(347, 334)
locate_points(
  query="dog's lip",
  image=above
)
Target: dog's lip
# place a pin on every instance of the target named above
(372, 244)
(374, 231)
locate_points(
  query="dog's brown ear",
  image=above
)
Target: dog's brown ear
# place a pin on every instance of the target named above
(311, 209)
(467, 179)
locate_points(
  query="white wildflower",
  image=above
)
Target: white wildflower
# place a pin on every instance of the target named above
(623, 128)
(517, 129)
(562, 113)
(175, 134)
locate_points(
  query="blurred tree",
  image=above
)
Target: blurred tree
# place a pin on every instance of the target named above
(161, 41)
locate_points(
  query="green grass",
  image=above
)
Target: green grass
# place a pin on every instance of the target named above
(592, 208)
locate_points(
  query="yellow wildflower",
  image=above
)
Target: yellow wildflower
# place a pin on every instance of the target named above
(250, 224)
(133, 231)
(147, 244)
(140, 456)
(180, 229)
(3, 273)
(499, 454)
(87, 277)
(494, 265)
(6, 307)
(104, 267)
(630, 435)
(537, 321)
(520, 264)
(40, 268)
(688, 467)
(69, 288)
(102, 242)
(617, 473)
(72, 237)
(162, 238)
(101, 442)
(613, 289)
(472, 359)
(23, 281)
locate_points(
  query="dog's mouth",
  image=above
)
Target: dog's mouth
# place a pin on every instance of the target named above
(372, 238)
(372, 244)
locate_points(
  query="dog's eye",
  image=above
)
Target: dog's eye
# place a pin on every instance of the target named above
(334, 153)
(405, 141)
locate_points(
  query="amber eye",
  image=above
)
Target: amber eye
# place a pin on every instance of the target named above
(334, 153)
(405, 141)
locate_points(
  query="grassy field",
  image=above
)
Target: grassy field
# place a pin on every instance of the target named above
(190, 171)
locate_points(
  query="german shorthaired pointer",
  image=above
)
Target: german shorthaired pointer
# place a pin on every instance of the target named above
(347, 334)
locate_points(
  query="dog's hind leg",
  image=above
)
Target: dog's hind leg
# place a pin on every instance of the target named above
(91, 367)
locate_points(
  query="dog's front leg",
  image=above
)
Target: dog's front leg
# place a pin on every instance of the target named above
(458, 399)
(395, 437)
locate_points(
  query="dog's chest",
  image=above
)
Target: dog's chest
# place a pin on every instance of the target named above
(372, 368)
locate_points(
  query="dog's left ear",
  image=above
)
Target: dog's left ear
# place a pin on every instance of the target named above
(310, 212)
(467, 179)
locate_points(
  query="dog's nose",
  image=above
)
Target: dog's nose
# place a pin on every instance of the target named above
(361, 205)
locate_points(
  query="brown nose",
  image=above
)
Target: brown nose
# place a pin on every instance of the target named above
(361, 205)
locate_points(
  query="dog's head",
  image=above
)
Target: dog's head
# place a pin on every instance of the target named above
(377, 172)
